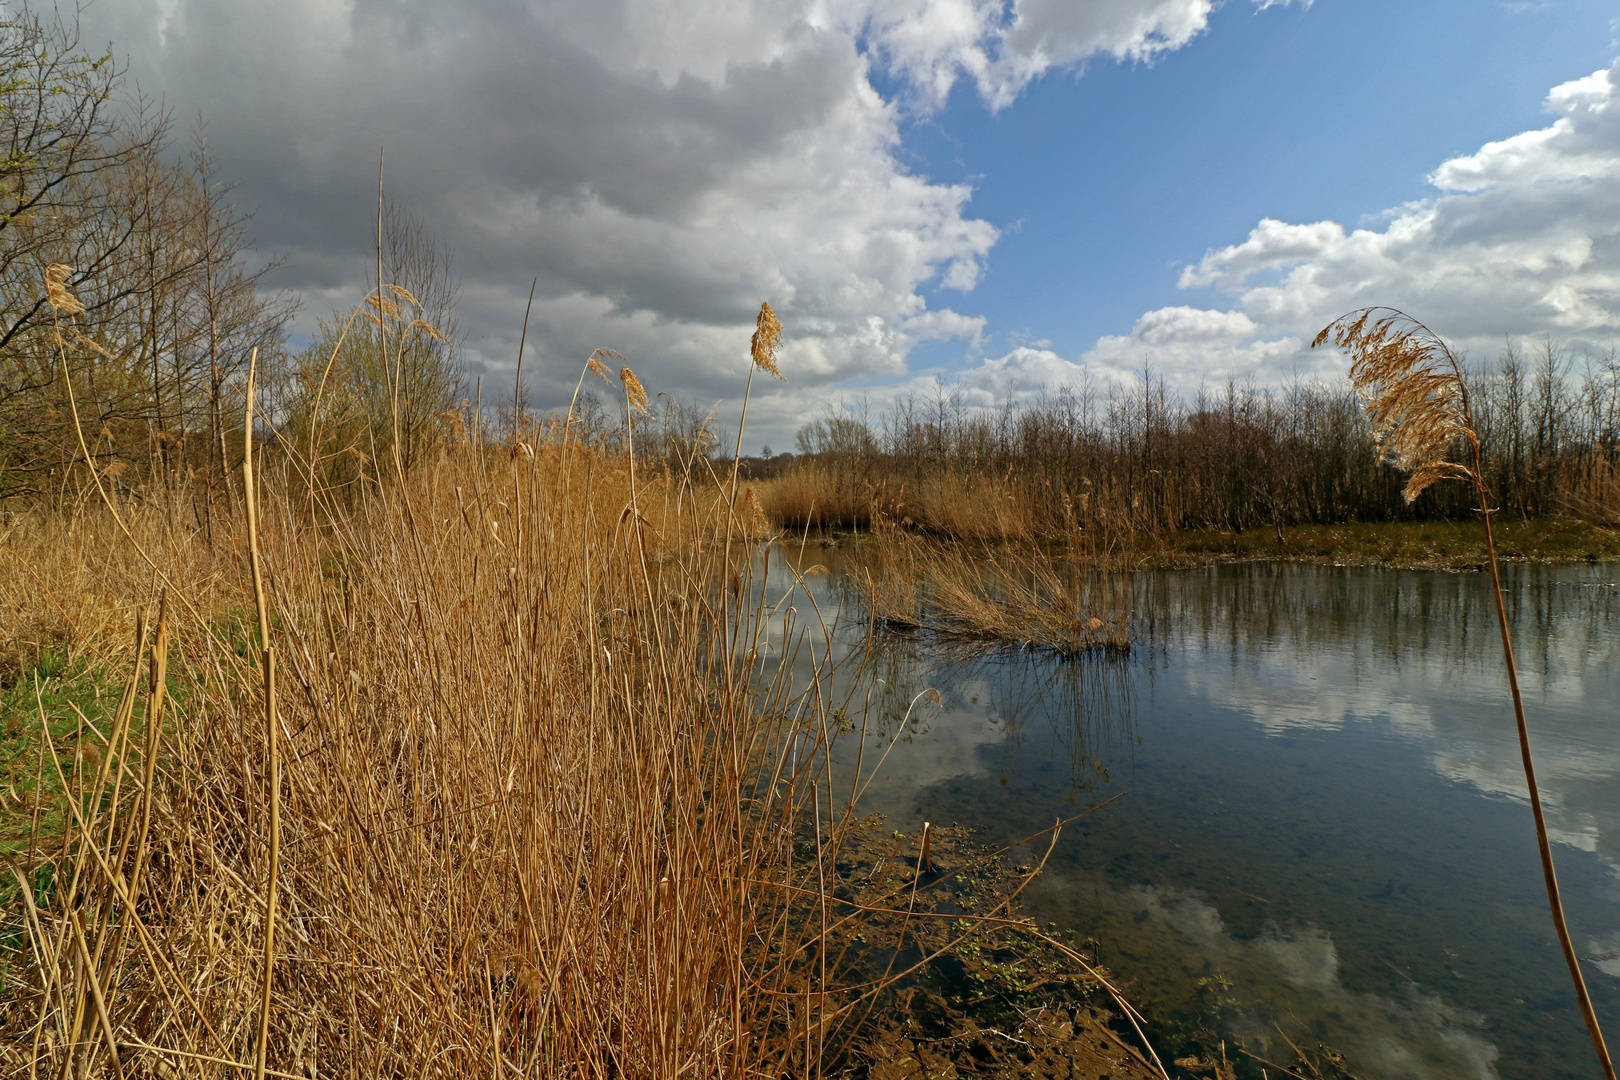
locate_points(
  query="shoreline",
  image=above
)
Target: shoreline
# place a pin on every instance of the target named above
(1430, 545)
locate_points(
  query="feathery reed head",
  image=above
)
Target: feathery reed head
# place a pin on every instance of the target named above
(430, 330)
(1411, 386)
(404, 294)
(767, 338)
(595, 365)
(384, 305)
(56, 293)
(633, 392)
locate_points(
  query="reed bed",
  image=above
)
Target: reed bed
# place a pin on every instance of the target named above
(1142, 460)
(475, 772)
(494, 764)
(1015, 594)
(515, 743)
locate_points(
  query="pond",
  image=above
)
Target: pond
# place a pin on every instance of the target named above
(1321, 828)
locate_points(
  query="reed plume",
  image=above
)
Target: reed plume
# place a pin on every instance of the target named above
(767, 339)
(1412, 387)
(56, 292)
(633, 391)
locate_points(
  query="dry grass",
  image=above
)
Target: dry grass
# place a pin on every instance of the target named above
(516, 752)
(532, 811)
(70, 581)
(957, 505)
(472, 769)
(819, 496)
(540, 810)
(1015, 594)
(1593, 490)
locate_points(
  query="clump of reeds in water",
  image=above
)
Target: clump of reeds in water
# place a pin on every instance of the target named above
(1021, 595)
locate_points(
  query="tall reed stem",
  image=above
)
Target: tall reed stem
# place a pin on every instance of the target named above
(1554, 901)
(267, 656)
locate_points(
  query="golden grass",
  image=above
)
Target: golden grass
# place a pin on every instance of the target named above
(1014, 594)
(474, 769)
(70, 582)
(530, 813)
(822, 496)
(1593, 492)
(540, 809)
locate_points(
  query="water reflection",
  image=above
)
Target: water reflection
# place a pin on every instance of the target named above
(1324, 826)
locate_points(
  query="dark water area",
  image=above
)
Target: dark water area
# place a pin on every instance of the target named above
(1321, 824)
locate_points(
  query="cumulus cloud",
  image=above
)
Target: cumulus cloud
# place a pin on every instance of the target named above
(1188, 345)
(1417, 1034)
(1002, 48)
(661, 166)
(1521, 238)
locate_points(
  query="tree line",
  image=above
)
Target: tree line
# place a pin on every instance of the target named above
(1235, 458)
(131, 300)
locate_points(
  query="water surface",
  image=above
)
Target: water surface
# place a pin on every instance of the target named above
(1323, 826)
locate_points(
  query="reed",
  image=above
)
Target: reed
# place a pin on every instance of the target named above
(1418, 403)
(475, 770)
(514, 829)
(1017, 594)
(1139, 462)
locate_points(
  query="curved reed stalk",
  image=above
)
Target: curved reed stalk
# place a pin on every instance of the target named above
(1412, 387)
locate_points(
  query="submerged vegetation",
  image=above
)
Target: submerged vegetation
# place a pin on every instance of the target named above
(1019, 595)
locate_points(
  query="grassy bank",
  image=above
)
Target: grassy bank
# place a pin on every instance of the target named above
(1424, 545)
(506, 808)
(1444, 545)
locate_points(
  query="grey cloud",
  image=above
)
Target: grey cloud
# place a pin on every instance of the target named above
(661, 166)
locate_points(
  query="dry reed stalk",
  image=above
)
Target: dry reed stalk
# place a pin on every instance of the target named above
(267, 661)
(437, 760)
(1593, 491)
(1021, 596)
(535, 802)
(1415, 394)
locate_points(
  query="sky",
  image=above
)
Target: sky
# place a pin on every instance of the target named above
(993, 195)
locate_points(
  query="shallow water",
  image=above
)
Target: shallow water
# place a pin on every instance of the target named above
(1323, 826)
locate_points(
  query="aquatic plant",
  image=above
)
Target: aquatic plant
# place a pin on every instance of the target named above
(1412, 387)
(1011, 594)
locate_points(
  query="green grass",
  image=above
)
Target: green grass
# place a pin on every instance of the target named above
(29, 783)
(1429, 544)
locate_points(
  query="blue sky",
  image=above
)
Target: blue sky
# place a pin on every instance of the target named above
(1106, 182)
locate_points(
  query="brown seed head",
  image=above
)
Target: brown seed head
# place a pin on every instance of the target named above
(1411, 386)
(402, 293)
(767, 339)
(633, 392)
(430, 330)
(599, 368)
(56, 293)
(384, 305)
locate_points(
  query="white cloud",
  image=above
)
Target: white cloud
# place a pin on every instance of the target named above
(1017, 376)
(1522, 238)
(1189, 346)
(1283, 975)
(661, 166)
(1002, 48)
